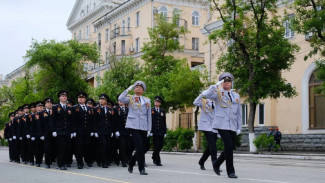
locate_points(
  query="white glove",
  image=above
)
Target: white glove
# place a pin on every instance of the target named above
(42, 138)
(130, 88)
(28, 136)
(91, 134)
(10, 139)
(148, 134)
(238, 132)
(54, 134)
(96, 135)
(218, 135)
(20, 138)
(117, 134)
(33, 138)
(219, 83)
(14, 137)
(71, 135)
(112, 134)
(74, 134)
(151, 134)
(165, 135)
(6, 140)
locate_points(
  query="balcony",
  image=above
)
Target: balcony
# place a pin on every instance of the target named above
(180, 22)
(120, 31)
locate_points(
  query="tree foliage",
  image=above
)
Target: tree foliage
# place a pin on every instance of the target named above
(259, 53)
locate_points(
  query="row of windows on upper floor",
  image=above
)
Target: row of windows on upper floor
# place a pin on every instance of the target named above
(127, 23)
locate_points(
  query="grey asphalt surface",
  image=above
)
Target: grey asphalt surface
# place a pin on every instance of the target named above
(178, 168)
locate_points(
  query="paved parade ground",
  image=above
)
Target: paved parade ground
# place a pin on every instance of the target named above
(177, 168)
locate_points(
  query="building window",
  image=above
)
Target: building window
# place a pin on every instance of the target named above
(106, 35)
(316, 104)
(163, 11)
(176, 12)
(289, 33)
(79, 34)
(99, 40)
(123, 47)
(195, 44)
(261, 114)
(87, 8)
(137, 23)
(123, 27)
(244, 114)
(129, 23)
(106, 57)
(75, 36)
(137, 45)
(87, 32)
(116, 30)
(195, 18)
(114, 48)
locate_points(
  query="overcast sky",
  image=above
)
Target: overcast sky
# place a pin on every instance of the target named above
(22, 20)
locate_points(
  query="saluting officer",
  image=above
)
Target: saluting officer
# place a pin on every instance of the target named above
(47, 117)
(159, 129)
(205, 125)
(62, 128)
(81, 120)
(138, 121)
(8, 135)
(227, 119)
(104, 117)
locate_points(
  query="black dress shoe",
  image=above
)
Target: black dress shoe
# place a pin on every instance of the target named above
(130, 169)
(143, 172)
(99, 164)
(124, 165)
(104, 166)
(232, 175)
(217, 170)
(25, 162)
(80, 167)
(202, 166)
(63, 168)
(159, 164)
(145, 165)
(47, 166)
(38, 165)
(89, 165)
(31, 163)
(69, 165)
(11, 160)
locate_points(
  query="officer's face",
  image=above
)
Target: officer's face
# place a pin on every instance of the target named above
(90, 105)
(63, 98)
(20, 113)
(157, 104)
(39, 108)
(12, 118)
(102, 102)
(33, 109)
(138, 90)
(81, 100)
(227, 85)
(26, 110)
(48, 105)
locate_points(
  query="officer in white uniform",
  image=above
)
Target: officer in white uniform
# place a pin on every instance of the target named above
(227, 118)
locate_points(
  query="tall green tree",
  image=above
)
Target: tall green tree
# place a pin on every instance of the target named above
(309, 19)
(259, 53)
(6, 104)
(165, 75)
(120, 75)
(60, 66)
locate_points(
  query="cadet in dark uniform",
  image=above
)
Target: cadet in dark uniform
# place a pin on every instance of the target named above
(81, 120)
(159, 129)
(8, 135)
(47, 117)
(32, 108)
(93, 140)
(123, 134)
(62, 128)
(24, 133)
(38, 133)
(138, 121)
(227, 119)
(16, 134)
(104, 117)
(72, 142)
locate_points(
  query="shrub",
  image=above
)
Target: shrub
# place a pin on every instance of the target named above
(263, 142)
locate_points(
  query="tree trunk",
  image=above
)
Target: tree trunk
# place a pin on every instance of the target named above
(251, 131)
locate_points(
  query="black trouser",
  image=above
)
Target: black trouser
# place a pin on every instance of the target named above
(24, 150)
(16, 150)
(82, 149)
(229, 140)
(11, 156)
(63, 151)
(54, 147)
(140, 139)
(104, 144)
(31, 150)
(94, 149)
(39, 150)
(158, 143)
(48, 150)
(125, 149)
(211, 149)
(113, 151)
(71, 150)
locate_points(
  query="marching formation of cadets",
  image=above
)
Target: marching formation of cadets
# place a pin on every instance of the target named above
(103, 133)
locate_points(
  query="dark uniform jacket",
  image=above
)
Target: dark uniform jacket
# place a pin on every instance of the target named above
(16, 127)
(82, 120)
(104, 122)
(120, 120)
(25, 125)
(7, 131)
(47, 123)
(37, 125)
(62, 120)
(158, 122)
